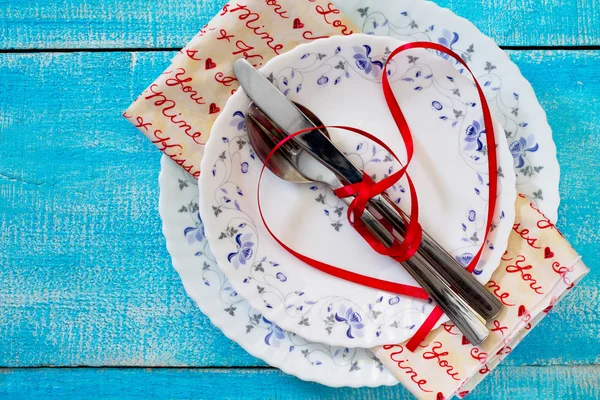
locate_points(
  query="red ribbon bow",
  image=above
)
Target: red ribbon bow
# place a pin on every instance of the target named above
(367, 189)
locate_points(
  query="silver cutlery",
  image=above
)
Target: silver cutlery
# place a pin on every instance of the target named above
(294, 164)
(287, 116)
(290, 119)
(481, 300)
(317, 158)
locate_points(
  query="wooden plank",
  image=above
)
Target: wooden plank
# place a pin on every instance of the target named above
(41, 24)
(85, 277)
(514, 383)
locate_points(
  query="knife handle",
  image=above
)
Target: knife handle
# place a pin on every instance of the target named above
(461, 280)
(466, 319)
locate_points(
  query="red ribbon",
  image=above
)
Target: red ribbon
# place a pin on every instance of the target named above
(402, 250)
(367, 189)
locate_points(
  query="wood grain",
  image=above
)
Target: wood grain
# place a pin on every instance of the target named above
(514, 383)
(86, 279)
(77, 24)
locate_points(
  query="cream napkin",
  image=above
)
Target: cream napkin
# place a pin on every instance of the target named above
(538, 269)
(178, 110)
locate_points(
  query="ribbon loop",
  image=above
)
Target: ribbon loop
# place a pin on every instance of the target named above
(362, 190)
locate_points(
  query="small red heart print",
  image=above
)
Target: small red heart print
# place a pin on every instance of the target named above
(548, 309)
(440, 396)
(298, 24)
(548, 253)
(213, 109)
(210, 64)
(463, 393)
(465, 341)
(522, 311)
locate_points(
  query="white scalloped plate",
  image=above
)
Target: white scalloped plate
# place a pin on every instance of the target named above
(423, 14)
(340, 80)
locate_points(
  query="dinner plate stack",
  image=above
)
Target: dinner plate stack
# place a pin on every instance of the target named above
(294, 317)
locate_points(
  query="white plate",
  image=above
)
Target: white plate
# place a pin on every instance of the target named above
(339, 80)
(511, 97)
(209, 288)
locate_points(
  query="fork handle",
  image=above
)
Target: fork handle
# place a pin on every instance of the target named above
(466, 319)
(461, 280)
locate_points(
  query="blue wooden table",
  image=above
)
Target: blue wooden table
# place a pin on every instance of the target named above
(89, 303)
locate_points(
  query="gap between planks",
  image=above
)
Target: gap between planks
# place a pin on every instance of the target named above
(174, 367)
(162, 49)
(240, 368)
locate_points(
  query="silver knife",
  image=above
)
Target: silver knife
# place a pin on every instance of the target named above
(286, 115)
